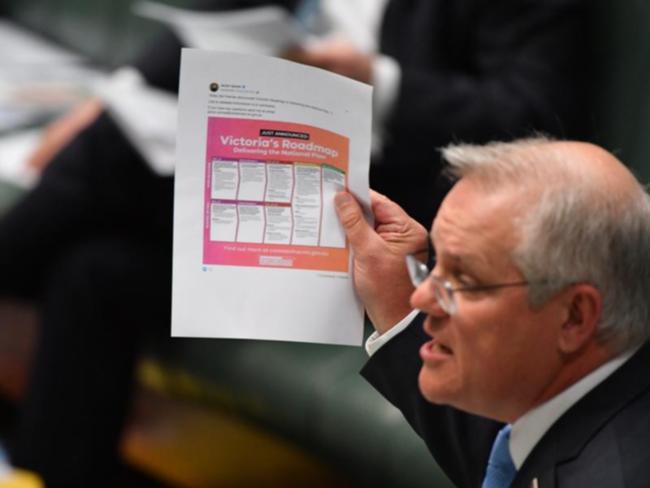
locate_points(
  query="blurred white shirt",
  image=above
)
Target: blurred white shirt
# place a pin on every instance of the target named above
(357, 21)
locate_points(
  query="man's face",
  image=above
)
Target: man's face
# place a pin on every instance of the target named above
(495, 355)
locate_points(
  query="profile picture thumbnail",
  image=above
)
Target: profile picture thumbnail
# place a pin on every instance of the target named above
(214, 86)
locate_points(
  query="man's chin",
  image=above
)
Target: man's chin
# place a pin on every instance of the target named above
(431, 388)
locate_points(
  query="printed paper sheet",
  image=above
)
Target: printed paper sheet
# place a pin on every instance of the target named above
(263, 146)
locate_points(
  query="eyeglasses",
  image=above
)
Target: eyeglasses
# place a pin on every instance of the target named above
(442, 289)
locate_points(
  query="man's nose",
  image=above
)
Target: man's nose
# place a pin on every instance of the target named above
(423, 298)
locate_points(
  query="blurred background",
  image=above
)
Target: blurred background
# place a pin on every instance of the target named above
(209, 413)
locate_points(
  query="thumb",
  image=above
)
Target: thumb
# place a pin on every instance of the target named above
(357, 230)
(386, 211)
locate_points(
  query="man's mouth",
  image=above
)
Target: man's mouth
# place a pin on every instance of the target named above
(440, 347)
(434, 351)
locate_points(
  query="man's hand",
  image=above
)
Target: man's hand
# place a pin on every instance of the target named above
(60, 132)
(337, 56)
(380, 275)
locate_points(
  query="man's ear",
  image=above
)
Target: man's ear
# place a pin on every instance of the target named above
(584, 310)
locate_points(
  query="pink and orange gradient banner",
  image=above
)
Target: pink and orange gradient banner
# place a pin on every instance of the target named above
(269, 142)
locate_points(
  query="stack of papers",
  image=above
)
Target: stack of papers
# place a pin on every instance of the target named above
(22, 47)
(38, 80)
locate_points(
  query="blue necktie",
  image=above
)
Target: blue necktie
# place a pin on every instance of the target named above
(500, 470)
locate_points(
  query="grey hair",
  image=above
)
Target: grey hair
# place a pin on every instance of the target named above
(573, 230)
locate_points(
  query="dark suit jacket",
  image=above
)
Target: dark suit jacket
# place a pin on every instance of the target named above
(603, 441)
(475, 71)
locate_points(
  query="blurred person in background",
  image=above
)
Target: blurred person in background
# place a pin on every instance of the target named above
(90, 244)
(461, 70)
(92, 241)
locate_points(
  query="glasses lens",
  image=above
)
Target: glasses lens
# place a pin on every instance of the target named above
(418, 271)
(444, 294)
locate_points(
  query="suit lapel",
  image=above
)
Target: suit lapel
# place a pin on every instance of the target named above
(571, 432)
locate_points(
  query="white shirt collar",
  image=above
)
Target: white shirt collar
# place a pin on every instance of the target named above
(529, 429)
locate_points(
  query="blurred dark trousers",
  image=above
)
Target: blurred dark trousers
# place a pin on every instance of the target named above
(91, 245)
